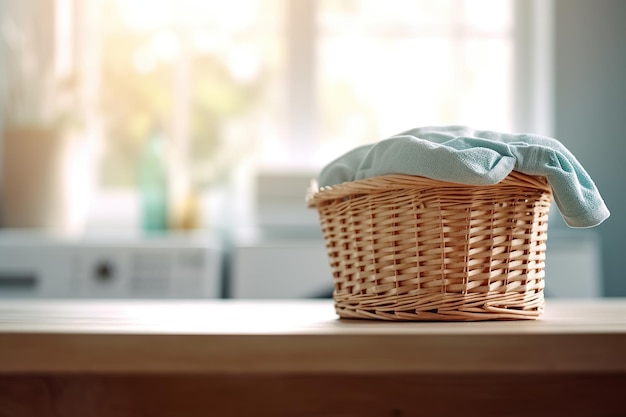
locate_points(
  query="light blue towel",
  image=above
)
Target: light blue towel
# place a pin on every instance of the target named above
(462, 155)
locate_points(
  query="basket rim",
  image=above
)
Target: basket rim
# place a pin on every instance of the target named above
(316, 195)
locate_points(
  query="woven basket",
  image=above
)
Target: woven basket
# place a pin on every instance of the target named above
(412, 248)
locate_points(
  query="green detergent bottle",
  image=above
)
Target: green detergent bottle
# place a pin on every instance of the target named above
(152, 182)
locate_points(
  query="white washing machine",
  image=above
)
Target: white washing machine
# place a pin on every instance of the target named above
(279, 266)
(297, 267)
(34, 264)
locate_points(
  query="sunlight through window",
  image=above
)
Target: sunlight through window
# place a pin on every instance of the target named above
(218, 80)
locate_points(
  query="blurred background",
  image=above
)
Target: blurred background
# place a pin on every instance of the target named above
(161, 148)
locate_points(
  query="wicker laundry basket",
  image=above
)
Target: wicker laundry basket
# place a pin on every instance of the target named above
(412, 248)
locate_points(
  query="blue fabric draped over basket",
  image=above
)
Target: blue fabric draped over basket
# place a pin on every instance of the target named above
(463, 155)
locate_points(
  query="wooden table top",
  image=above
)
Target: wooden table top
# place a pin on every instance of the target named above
(232, 336)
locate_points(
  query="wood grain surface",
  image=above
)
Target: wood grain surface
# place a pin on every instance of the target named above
(234, 358)
(201, 337)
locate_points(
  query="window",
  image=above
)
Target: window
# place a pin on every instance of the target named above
(384, 67)
(295, 83)
(299, 80)
(202, 73)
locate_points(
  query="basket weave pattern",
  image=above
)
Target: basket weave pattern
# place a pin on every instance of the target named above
(412, 248)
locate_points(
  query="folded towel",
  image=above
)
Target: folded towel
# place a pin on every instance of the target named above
(462, 155)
